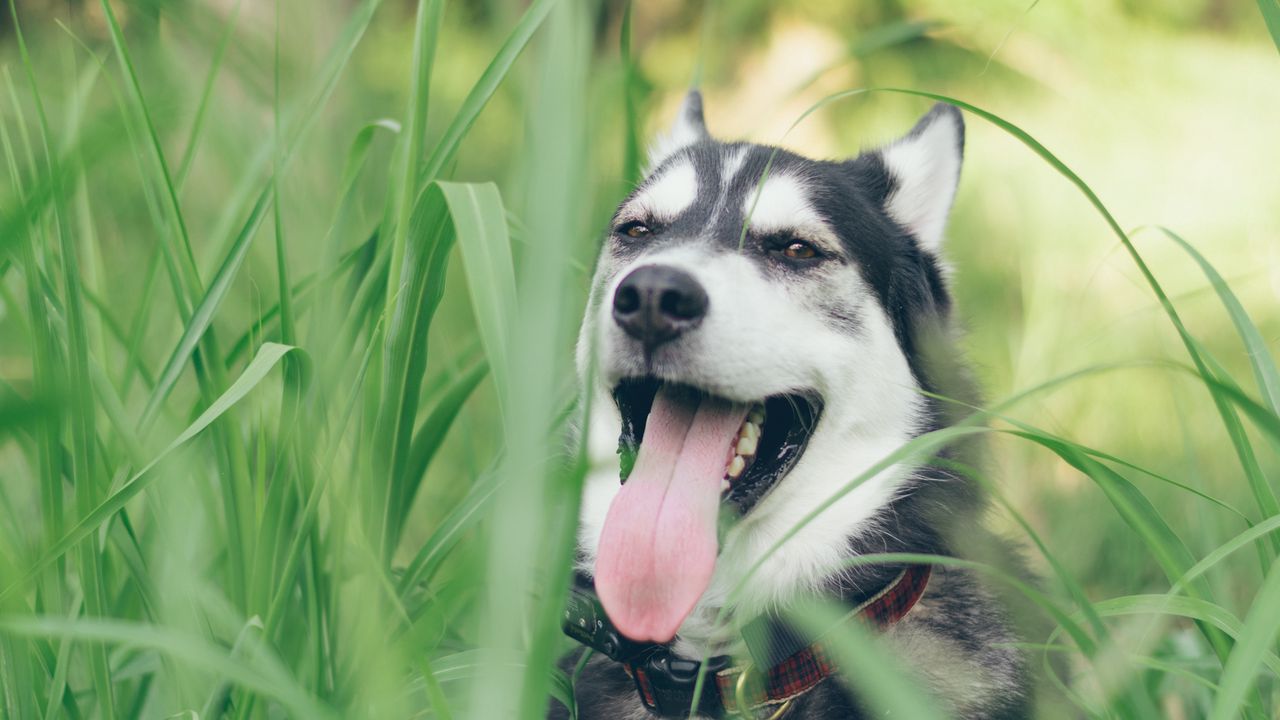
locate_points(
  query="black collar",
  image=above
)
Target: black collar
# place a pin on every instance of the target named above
(784, 663)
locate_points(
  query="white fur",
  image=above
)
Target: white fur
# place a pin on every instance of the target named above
(732, 164)
(670, 194)
(783, 205)
(926, 166)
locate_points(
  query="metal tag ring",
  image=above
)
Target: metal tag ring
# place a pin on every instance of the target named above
(744, 706)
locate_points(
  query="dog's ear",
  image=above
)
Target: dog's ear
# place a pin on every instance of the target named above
(924, 169)
(688, 129)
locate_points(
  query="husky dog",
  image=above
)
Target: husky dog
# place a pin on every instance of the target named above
(759, 332)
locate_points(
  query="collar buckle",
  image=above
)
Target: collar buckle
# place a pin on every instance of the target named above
(666, 683)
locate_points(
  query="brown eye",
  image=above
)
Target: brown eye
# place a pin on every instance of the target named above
(635, 230)
(800, 251)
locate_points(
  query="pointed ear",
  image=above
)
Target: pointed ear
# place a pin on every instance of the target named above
(924, 168)
(688, 129)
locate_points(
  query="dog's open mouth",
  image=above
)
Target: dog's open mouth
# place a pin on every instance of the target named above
(686, 454)
(767, 444)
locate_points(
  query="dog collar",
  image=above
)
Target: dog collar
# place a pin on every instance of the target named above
(791, 666)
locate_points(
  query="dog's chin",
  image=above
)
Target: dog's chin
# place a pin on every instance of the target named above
(784, 424)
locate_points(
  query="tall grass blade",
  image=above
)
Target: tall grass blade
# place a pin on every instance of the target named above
(426, 29)
(479, 219)
(1248, 657)
(303, 296)
(81, 416)
(206, 93)
(448, 531)
(187, 260)
(1095, 453)
(1260, 359)
(1192, 608)
(341, 225)
(1270, 10)
(262, 673)
(1100, 455)
(430, 435)
(1169, 551)
(484, 89)
(1243, 540)
(474, 217)
(557, 183)
(202, 316)
(630, 88)
(285, 288)
(47, 432)
(267, 358)
(1263, 418)
(420, 289)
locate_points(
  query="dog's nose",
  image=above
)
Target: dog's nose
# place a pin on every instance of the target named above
(656, 303)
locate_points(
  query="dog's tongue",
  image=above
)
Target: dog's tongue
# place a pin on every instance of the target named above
(658, 546)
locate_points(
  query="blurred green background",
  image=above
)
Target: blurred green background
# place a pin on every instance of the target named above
(1168, 109)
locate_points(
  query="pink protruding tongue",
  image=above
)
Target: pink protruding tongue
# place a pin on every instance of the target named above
(658, 546)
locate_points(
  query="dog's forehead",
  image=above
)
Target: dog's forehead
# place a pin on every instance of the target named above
(708, 190)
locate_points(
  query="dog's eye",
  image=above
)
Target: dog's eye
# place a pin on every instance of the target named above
(798, 250)
(634, 229)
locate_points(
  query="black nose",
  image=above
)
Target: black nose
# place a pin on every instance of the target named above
(656, 303)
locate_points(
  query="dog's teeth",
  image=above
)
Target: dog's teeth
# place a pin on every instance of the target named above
(749, 429)
(756, 415)
(736, 466)
(724, 485)
(747, 446)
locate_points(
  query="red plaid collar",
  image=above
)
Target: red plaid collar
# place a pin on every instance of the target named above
(769, 694)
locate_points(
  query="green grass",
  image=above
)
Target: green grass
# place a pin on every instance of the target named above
(288, 298)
